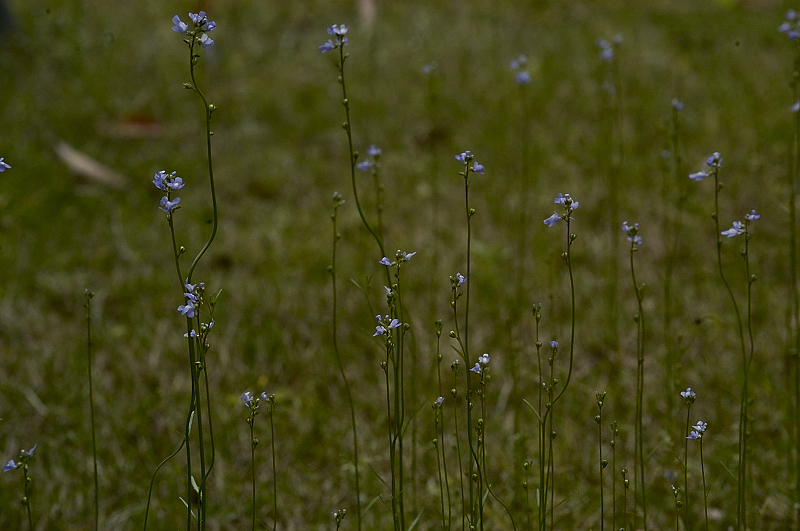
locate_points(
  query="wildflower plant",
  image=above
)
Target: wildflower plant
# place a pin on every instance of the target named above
(88, 305)
(196, 303)
(632, 233)
(714, 163)
(23, 463)
(689, 397)
(698, 431)
(568, 206)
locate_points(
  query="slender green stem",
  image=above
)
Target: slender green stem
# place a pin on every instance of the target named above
(88, 307)
(639, 435)
(27, 498)
(274, 468)
(599, 420)
(792, 177)
(705, 490)
(741, 502)
(253, 443)
(153, 480)
(688, 518)
(337, 202)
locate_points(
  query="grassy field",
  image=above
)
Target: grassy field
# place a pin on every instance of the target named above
(107, 78)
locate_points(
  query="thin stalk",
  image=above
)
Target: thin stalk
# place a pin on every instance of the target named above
(274, 469)
(253, 443)
(337, 202)
(640, 332)
(741, 502)
(88, 307)
(688, 518)
(27, 499)
(705, 490)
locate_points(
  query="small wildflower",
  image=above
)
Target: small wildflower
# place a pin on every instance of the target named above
(3, 166)
(689, 395)
(11, 465)
(700, 426)
(677, 104)
(427, 68)
(167, 205)
(385, 261)
(752, 216)
(606, 50)
(439, 401)
(405, 256)
(340, 40)
(477, 168)
(795, 107)
(179, 26)
(464, 157)
(523, 78)
(476, 368)
(632, 232)
(552, 220)
(735, 230)
(327, 47)
(698, 176)
(695, 435)
(206, 42)
(365, 165)
(518, 63)
(461, 279)
(566, 201)
(714, 160)
(554, 344)
(791, 25)
(388, 290)
(374, 151)
(187, 309)
(483, 360)
(248, 400)
(193, 333)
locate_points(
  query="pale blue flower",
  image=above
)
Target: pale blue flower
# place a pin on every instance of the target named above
(179, 26)
(167, 205)
(752, 216)
(566, 201)
(477, 168)
(404, 256)
(476, 368)
(483, 360)
(522, 78)
(464, 157)
(553, 344)
(339, 31)
(795, 107)
(606, 50)
(735, 230)
(193, 333)
(689, 394)
(385, 261)
(364, 165)
(248, 400)
(714, 160)
(632, 232)
(698, 176)
(187, 309)
(439, 401)
(695, 435)
(3, 165)
(205, 41)
(328, 46)
(677, 104)
(374, 151)
(518, 63)
(700, 426)
(11, 465)
(461, 279)
(552, 220)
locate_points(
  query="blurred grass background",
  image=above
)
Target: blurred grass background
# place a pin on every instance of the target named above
(107, 78)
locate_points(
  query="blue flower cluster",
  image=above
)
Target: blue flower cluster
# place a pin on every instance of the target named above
(199, 31)
(168, 182)
(339, 40)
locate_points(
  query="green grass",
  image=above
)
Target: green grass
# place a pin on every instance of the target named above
(75, 72)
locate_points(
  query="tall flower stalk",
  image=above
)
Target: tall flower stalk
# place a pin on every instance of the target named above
(697, 434)
(689, 397)
(568, 207)
(598, 419)
(714, 162)
(23, 462)
(88, 305)
(632, 232)
(338, 201)
(196, 32)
